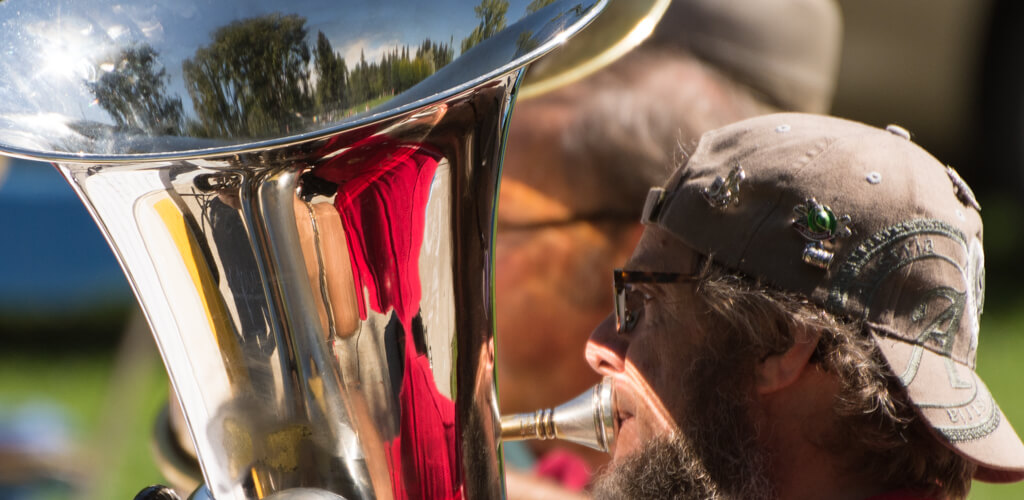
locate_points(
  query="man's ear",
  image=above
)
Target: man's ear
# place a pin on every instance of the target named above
(778, 371)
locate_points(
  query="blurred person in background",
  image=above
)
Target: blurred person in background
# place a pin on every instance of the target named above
(578, 165)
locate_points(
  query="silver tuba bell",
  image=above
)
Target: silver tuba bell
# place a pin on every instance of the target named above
(302, 196)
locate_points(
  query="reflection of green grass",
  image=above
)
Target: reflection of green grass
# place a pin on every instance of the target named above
(117, 432)
(368, 105)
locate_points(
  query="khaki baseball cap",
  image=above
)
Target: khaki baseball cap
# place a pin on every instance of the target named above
(870, 226)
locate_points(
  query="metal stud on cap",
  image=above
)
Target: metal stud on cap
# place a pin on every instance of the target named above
(963, 191)
(898, 131)
(723, 192)
(652, 207)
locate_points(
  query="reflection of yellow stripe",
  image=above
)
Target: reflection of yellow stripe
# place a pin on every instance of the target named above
(257, 484)
(206, 288)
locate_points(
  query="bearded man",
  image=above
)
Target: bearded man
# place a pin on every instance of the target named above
(800, 320)
(581, 158)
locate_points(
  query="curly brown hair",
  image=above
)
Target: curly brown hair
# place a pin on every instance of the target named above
(876, 429)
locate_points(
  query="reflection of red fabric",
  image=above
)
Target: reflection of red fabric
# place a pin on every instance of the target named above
(567, 469)
(422, 459)
(383, 189)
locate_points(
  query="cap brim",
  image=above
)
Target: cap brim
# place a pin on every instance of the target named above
(959, 407)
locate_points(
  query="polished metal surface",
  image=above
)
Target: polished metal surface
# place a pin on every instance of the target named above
(589, 420)
(622, 26)
(310, 301)
(315, 262)
(92, 79)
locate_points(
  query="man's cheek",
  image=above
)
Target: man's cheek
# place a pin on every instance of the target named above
(651, 395)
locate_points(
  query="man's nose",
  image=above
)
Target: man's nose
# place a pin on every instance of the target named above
(606, 349)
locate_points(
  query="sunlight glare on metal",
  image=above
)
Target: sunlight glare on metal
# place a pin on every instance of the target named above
(63, 53)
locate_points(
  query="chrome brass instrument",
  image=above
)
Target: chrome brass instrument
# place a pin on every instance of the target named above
(302, 196)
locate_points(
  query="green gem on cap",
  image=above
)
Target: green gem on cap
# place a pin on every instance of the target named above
(821, 220)
(818, 222)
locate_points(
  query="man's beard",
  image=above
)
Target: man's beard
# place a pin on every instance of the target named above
(716, 456)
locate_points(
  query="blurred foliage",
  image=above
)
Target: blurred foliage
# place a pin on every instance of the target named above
(83, 330)
(111, 431)
(1000, 348)
(1004, 244)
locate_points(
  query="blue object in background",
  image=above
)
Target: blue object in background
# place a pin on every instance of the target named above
(53, 258)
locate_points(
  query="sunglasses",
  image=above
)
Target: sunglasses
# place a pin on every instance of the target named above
(629, 301)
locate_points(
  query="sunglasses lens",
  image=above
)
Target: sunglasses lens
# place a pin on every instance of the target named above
(620, 308)
(625, 313)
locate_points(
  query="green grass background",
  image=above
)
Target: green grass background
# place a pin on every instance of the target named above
(1000, 349)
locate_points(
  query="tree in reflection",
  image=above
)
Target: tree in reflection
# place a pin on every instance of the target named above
(536, 5)
(133, 92)
(253, 80)
(491, 14)
(332, 77)
(397, 70)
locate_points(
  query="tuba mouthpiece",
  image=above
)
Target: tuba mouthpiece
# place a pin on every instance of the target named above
(589, 420)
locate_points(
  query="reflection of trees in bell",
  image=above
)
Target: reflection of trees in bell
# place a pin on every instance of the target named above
(529, 40)
(259, 78)
(255, 78)
(332, 76)
(396, 71)
(491, 14)
(252, 80)
(134, 95)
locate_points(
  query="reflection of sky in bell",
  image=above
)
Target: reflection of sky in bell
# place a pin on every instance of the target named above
(76, 37)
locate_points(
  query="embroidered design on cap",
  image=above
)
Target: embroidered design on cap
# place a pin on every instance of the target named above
(723, 192)
(819, 224)
(933, 313)
(962, 190)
